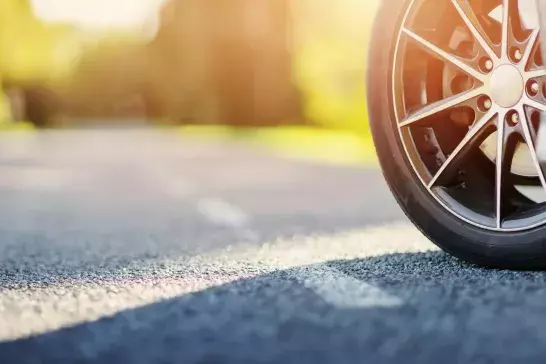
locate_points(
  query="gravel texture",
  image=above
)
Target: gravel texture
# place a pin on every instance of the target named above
(142, 247)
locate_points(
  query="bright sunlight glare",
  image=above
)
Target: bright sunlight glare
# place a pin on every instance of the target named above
(98, 15)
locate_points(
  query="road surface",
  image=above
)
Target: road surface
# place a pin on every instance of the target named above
(136, 246)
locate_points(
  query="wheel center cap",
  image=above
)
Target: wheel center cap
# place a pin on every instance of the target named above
(506, 86)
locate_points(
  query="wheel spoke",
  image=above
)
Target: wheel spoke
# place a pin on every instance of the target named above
(443, 55)
(528, 135)
(506, 9)
(439, 106)
(469, 17)
(535, 104)
(531, 44)
(500, 169)
(535, 74)
(474, 134)
(523, 110)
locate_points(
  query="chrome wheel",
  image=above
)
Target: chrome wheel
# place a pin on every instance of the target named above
(468, 88)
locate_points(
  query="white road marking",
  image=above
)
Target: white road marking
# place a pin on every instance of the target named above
(224, 214)
(342, 290)
(299, 251)
(64, 303)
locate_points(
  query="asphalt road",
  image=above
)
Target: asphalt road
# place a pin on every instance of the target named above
(145, 247)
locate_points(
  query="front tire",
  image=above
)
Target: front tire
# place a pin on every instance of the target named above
(478, 219)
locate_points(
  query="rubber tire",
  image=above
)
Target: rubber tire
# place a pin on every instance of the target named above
(524, 250)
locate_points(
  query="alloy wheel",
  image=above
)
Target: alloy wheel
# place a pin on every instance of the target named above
(468, 86)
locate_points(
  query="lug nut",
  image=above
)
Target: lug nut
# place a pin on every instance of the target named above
(484, 103)
(534, 88)
(515, 118)
(488, 65)
(518, 55)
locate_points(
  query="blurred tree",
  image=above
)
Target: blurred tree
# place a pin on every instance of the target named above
(31, 50)
(224, 61)
(331, 38)
(212, 61)
(111, 74)
(180, 85)
(33, 53)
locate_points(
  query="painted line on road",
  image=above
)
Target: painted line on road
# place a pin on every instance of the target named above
(223, 213)
(61, 303)
(342, 290)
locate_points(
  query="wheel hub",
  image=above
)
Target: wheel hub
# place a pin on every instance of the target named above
(506, 86)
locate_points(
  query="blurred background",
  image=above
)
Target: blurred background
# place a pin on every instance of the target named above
(194, 181)
(239, 63)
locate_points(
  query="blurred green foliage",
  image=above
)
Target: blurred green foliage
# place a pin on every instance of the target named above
(331, 59)
(33, 52)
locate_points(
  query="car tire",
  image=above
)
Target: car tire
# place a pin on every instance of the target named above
(514, 249)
